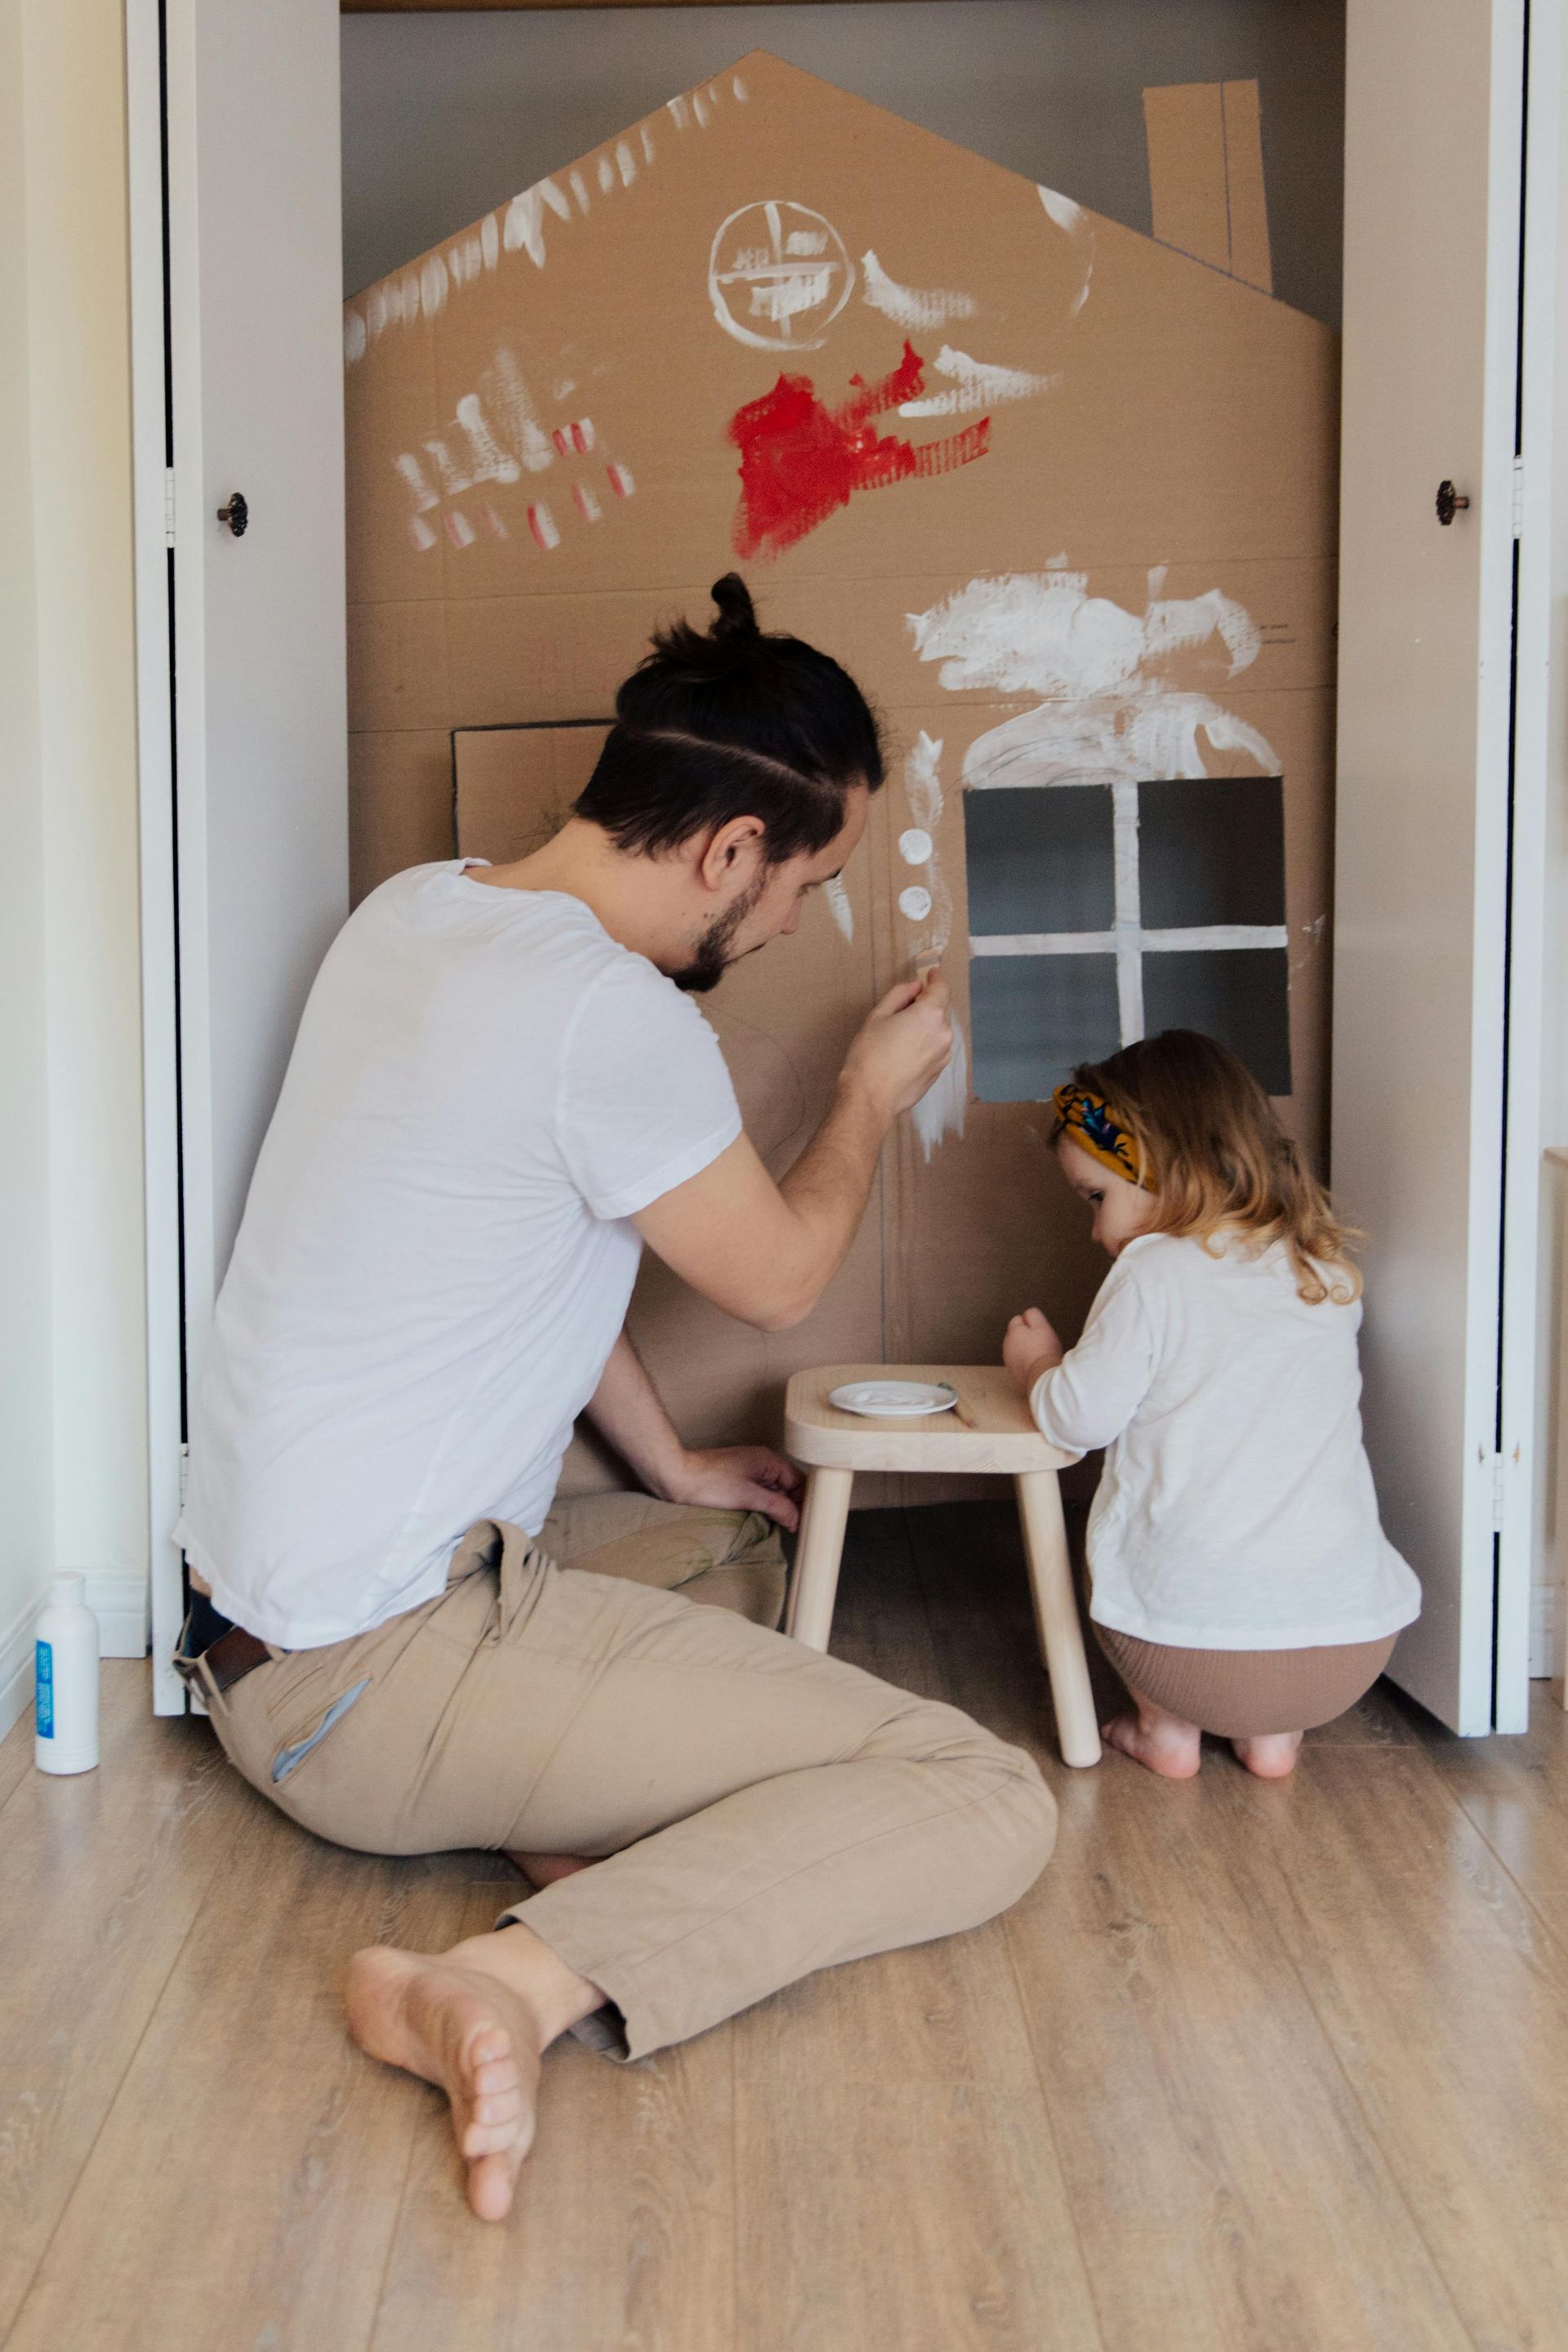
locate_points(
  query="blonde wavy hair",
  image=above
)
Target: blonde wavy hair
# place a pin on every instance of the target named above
(1210, 1145)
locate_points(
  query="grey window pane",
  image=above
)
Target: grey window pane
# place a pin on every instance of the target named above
(1212, 850)
(1034, 1016)
(1240, 995)
(1040, 858)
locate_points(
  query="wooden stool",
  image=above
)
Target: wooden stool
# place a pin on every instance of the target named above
(989, 1430)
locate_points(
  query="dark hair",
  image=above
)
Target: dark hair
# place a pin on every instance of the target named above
(726, 722)
(1209, 1137)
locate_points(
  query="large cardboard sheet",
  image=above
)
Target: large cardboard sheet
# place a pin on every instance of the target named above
(1062, 498)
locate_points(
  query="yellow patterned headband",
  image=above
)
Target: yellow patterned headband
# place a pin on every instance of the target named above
(1084, 1118)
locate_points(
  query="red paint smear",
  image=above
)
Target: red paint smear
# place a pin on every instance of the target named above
(801, 461)
(563, 440)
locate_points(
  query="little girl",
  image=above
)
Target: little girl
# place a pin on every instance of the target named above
(1241, 1582)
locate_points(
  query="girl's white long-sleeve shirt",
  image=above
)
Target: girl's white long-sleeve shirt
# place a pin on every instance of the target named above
(1236, 1509)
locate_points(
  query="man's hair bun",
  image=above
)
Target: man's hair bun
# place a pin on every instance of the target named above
(732, 720)
(737, 613)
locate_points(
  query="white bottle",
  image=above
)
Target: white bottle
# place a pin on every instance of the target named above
(65, 1719)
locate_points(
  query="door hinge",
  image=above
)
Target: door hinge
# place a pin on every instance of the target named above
(1518, 496)
(184, 1472)
(168, 506)
(1499, 1489)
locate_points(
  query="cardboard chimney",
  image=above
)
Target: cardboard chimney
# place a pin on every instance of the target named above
(1061, 497)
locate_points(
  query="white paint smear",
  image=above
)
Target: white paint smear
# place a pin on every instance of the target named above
(1109, 713)
(524, 433)
(915, 846)
(464, 260)
(607, 176)
(1062, 210)
(676, 109)
(413, 473)
(778, 276)
(625, 162)
(942, 1109)
(910, 306)
(739, 87)
(433, 285)
(579, 188)
(646, 137)
(353, 336)
(915, 902)
(489, 240)
(1074, 222)
(420, 532)
(837, 899)
(524, 226)
(923, 780)
(703, 111)
(976, 385)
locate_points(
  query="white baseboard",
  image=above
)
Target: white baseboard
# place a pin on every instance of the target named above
(1542, 1630)
(118, 1598)
(17, 1668)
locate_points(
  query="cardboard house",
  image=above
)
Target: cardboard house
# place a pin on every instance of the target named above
(1062, 498)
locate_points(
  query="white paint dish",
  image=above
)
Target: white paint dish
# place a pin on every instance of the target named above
(893, 1400)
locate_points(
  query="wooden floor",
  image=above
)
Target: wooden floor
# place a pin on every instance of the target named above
(1282, 2068)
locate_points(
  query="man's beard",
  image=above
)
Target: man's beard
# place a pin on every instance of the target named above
(710, 959)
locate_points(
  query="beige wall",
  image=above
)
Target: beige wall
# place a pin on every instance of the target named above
(72, 1383)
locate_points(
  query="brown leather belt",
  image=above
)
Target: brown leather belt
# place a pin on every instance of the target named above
(229, 1659)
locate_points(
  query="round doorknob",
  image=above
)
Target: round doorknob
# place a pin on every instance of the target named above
(236, 514)
(1449, 503)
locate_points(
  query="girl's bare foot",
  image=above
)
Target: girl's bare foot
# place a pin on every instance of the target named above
(1163, 1742)
(474, 2021)
(1271, 1755)
(544, 1869)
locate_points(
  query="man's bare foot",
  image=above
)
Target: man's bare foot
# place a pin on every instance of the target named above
(1150, 1737)
(475, 2022)
(1271, 1755)
(544, 1869)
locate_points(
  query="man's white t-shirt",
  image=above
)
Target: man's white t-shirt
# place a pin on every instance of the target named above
(1237, 1508)
(435, 1261)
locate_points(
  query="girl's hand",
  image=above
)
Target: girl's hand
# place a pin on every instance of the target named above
(1030, 1347)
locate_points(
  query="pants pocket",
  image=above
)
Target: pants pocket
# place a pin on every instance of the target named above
(288, 1759)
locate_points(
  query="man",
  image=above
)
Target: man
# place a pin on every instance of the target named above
(501, 1089)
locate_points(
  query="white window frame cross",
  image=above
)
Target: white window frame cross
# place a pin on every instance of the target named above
(1127, 939)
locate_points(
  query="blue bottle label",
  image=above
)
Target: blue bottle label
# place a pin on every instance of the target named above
(45, 1682)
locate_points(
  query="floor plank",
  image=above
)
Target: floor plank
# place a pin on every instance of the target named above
(245, 2187)
(1515, 1790)
(893, 2104)
(1446, 1999)
(106, 1873)
(16, 1756)
(1252, 2069)
(622, 2238)
(1160, 2006)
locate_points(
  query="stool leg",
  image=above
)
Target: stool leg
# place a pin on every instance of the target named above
(815, 1582)
(1056, 1615)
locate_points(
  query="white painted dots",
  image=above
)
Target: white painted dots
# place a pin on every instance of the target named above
(915, 902)
(915, 846)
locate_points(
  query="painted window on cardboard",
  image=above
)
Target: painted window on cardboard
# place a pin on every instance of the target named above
(1100, 912)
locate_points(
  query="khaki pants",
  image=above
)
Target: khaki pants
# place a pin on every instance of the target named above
(762, 1811)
